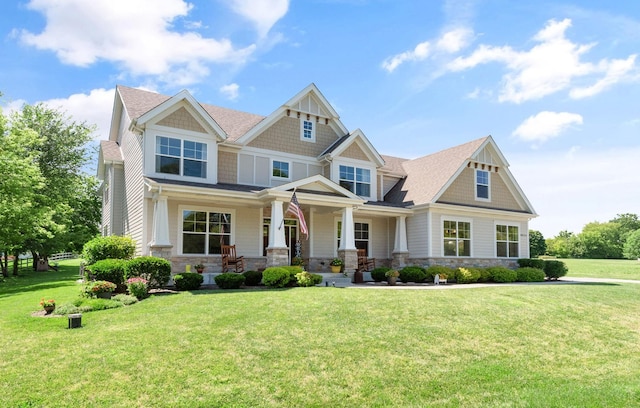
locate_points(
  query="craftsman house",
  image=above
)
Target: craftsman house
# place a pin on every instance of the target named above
(183, 178)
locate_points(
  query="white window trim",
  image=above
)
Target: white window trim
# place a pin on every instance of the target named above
(313, 130)
(182, 208)
(338, 220)
(373, 185)
(272, 177)
(444, 218)
(475, 185)
(495, 238)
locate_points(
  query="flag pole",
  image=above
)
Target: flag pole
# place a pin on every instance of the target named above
(282, 222)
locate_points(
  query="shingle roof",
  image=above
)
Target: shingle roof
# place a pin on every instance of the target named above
(394, 165)
(110, 151)
(235, 123)
(427, 175)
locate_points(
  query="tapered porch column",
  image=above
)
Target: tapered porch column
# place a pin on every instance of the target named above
(400, 248)
(277, 251)
(160, 244)
(347, 250)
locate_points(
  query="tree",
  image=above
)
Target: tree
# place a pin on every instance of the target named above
(632, 246)
(65, 199)
(537, 244)
(628, 223)
(562, 245)
(600, 241)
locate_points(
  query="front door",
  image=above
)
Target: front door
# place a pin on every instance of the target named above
(290, 236)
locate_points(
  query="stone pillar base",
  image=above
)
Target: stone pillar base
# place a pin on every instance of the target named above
(277, 257)
(350, 259)
(399, 260)
(161, 251)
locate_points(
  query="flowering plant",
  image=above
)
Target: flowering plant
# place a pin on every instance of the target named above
(198, 266)
(102, 286)
(336, 262)
(138, 287)
(47, 303)
(392, 273)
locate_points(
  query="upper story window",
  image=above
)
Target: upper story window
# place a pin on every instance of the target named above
(356, 180)
(507, 241)
(457, 238)
(280, 169)
(307, 130)
(482, 185)
(181, 157)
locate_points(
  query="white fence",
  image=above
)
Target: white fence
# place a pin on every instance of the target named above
(62, 255)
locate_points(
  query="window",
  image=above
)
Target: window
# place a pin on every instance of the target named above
(482, 184)
(307, 130)
(457, 238)
(361, 234)
(175, 156)
(204, 232)
(280, 169)
(356, 180)
(507, 241)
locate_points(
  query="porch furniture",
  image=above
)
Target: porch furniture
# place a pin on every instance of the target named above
(230, 259)
(365, 264)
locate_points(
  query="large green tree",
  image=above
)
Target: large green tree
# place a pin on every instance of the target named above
(631, 248)
(600, 241)
(562, 245)
(537, 244)
(66, 198)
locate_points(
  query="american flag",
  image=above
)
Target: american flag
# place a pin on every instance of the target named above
(294, 208)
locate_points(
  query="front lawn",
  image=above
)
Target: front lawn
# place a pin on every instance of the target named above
(551, 345)
(603, 268)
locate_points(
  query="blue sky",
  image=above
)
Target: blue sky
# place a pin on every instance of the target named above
(555, 83)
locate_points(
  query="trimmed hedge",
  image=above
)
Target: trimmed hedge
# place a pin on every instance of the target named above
(500, 274)
(252, 278)
(109, 247)
(467, 275)
(555, 269)
(229, 280)
(378, 274)
(188, 281)
(156, 271)
(412, 274)
(530, 274)
(112, 270)
(531, 263)
(276, 277)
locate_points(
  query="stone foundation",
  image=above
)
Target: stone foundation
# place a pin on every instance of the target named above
(465, 262)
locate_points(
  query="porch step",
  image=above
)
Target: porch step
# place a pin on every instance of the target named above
(335, 279)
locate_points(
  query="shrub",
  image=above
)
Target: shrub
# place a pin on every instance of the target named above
(252, 278)
(306, 279)
(531, 263)
(276, 277)
(530, 274)
(500, 274)
(111, 270)
(110, 247)
(293, 270)
(434, 270)
(156, 271)
(91, 289)
(125, 299)
(188, 281)
(229, 280)
(467, 275)
(555, 269)
(138, 287)
(485, 275)
(412, 274)
(378, 274)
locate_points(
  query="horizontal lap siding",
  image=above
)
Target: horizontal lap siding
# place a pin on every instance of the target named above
(381, 238)
(133, 203)
(417, 237)
(324, 235)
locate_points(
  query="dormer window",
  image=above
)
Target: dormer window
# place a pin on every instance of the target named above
(482, 185)
(307, 130)
(356, 180)
(181, 157)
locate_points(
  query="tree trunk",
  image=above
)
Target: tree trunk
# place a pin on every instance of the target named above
(34, 260)
(4, 260)
(16, 262)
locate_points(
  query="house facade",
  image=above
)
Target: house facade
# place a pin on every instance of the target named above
(183, 178)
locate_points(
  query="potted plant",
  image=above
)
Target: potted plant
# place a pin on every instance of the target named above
(336, 265)
(101, 289)
(199, 267)
(49, 305)
(392, 276)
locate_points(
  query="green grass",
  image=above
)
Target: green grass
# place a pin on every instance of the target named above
(603, 268)
(554, 345)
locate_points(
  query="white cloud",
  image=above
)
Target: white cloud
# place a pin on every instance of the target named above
(93, 108)
(450, 42)
(230, 91)
(548, 67)
(546, 125)
(138, 37)
(569, 190)
(263, 13)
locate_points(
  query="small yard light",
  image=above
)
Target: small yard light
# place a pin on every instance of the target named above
(75, 320)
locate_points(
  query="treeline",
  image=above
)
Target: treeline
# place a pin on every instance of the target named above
(616, 239)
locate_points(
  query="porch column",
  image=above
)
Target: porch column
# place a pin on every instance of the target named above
(160, 244)
(277, 251)
(400, 248)
(347, 250)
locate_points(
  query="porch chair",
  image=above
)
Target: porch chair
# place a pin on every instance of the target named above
(229, 259)
(365, 264)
